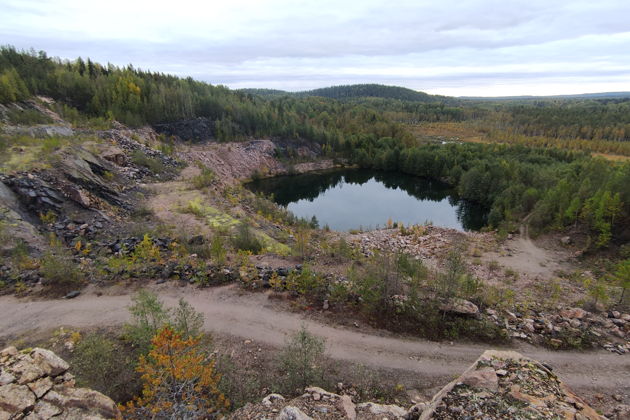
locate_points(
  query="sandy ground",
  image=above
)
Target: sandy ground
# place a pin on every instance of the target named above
(230, 311)
(526, 257)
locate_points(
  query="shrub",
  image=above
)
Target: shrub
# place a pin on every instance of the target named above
(156, 166)
(301, 360)
(179, 381)
(204, 179)
(245, 240)
(148, 316)
(217, 249)
(100, 364)
(58, 269)
(187, 321)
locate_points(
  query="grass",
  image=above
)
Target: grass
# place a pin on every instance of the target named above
(155, 165)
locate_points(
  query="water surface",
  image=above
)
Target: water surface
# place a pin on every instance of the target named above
(364, 199)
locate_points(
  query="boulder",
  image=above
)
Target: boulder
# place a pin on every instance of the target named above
(37, 386)
(460, 307)
(573, 313)
(292, 413)
(484, 378)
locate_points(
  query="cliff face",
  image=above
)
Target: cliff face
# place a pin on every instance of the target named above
(499, 385)
(36, 385)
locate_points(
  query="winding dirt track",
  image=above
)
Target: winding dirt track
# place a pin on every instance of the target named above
(251, 316)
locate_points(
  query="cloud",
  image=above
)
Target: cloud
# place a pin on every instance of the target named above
(456, 47)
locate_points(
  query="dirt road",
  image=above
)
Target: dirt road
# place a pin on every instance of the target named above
(252, 316)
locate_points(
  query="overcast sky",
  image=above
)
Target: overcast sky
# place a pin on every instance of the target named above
(451, 47)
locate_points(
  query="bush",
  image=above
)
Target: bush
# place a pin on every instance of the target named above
(179, 381)
(245, 240)
(148, 316)
(58, 269)
(205, 179)
(156, 166)
(100, 364)
(186, 320)
(301, 360)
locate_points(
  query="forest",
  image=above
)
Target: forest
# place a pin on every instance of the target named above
(369, 125)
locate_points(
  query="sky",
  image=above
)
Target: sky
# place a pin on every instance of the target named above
(458, 48)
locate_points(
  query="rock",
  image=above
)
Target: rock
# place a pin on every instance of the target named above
(416, 411)
(78, 195)
(460, 307)
(292, 413)
(6, 378)
(484, 378)
(271, 398)
(16, 398)
(72, 294)
(573, 313)
(115, 155)
(566, 240)
(49, 362)
(197, 240)
(383, 409)
(45, 389)
(41, 386)
(46, 410)
(348, 407)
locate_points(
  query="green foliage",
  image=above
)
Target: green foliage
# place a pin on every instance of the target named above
(218, 250)
(148, 315)
(621, 276)
(12, 87)
(155, 165)
(27, 117)
(245, 240)
(301, 360)
(100, 363)
(186, 320)
(204, 179)
(59, 269)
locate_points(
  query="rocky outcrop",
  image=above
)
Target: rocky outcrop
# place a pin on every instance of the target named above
(499, 385)
(37, 385)
(197, 129)
(505, 384)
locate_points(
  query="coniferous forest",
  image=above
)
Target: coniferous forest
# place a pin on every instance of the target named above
(534, 160)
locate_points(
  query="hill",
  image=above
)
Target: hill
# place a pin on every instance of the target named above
(358, 91)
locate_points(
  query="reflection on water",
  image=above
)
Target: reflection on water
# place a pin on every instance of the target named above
(357, 198)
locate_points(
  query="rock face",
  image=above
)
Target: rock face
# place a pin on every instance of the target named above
(36, 385)
(504, 384)
(198, 129)
(499, 385)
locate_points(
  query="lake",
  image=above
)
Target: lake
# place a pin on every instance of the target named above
(365, 199)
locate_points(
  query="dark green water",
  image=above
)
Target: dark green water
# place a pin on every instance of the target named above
(357, 198)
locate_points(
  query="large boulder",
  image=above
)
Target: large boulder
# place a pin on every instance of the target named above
(505, 384)
(36, 384)
(460, 307)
